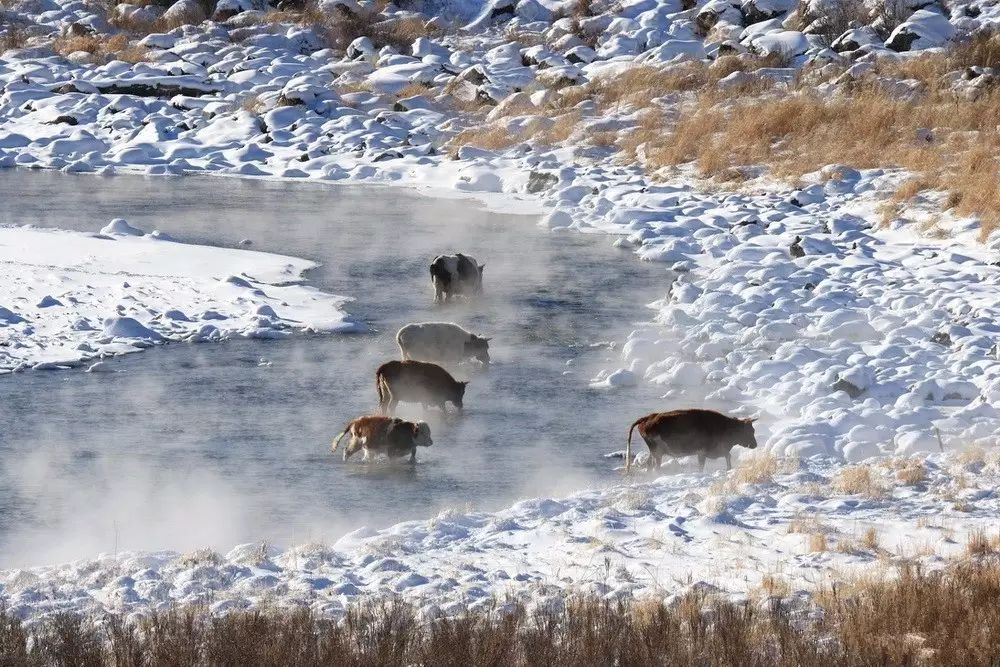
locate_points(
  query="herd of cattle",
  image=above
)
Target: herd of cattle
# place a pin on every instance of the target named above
(420, 377)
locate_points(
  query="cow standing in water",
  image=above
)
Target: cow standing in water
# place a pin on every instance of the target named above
(456, 275)
(391, 436)
(705, 433)
(416, 382)
(441, 343)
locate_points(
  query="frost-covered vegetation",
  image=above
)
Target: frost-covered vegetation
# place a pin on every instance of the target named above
(946, 618)
(819, 181)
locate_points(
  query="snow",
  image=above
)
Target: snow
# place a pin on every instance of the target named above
(643, 539)
(78, 297)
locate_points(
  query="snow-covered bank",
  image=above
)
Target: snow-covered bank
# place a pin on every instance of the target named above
(773, 527)
(69, 298)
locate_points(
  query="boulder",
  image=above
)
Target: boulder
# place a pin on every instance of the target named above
(185, 12)
(924, 30)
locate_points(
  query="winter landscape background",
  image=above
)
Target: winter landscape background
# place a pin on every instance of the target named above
(785, 210)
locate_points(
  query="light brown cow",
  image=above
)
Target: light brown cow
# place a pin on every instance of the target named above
(384, 435)
(706, 433)
(416, 382)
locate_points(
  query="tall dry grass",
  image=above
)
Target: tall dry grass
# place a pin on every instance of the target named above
(102, 47)
(681, 115)
(946, 619)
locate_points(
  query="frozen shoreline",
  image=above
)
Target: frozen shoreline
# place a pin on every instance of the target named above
(72, 298)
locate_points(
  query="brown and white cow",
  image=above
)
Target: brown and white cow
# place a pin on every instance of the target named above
(384, 435)
(705, 433)
(456, 275)
(416, 382)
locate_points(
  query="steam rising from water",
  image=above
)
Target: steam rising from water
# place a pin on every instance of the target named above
(215, 444)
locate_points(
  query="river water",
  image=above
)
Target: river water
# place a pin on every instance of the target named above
(213, 444)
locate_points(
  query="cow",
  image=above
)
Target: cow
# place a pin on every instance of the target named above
(389, 435)
(441, 343)
(416, 382)
(456, 275)
(706, 433)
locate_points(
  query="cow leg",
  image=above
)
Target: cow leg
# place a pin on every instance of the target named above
(354, 445)
(413, 456)
(391, 407)
(701, 463)
(729, 462)
(366, 457)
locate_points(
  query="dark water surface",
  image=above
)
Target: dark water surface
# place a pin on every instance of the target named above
(212, 444)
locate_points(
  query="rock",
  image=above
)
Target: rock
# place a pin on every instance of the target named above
(916, 442)
(755, 11)
(127, 327)
(795, 249)
(923, 30)
(48, 302)
(120, 227)
(941, 338)
(532, 11)
(226, 9)
(581, 55)
(185, 12)
(9, 317)
(540, 180)
(855, 38)
(361, 49)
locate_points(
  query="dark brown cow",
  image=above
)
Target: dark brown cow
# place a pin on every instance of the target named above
(389, 435)
(416, 382)
(677, 433)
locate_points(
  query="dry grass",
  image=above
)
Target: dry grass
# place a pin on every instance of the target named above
(870, 539)
(253, 104)
(972, 456)
(13, 37)
(818, 543)
(342, 27)
(412, 90)
(102, 48)
(858, 480)
(949, 143)
(912, 473)
(756, 469)
(982, 544)
(946, 619)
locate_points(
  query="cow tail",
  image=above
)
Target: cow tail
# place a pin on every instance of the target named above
(380, 392)
(628, 444)
(336, 441)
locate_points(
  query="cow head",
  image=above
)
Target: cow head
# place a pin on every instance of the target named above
(747, 436)
(478, 348)
(422, 434)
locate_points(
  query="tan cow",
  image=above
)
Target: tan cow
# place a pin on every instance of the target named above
(384, 435)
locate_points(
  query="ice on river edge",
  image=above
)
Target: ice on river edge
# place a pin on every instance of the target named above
(69, 298)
